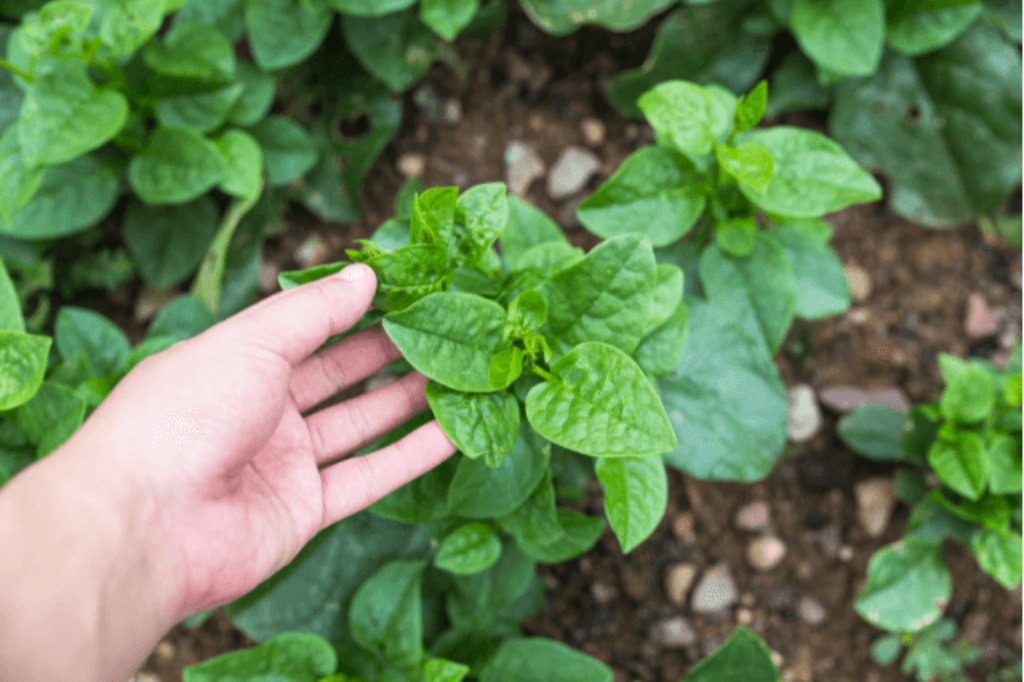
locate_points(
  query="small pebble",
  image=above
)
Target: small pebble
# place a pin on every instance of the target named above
(166, 649)
(716, 591)
(777, 658)
(981, 322)
(312, 252)
(744, 616)
(875, 502)
(829, 539)
(765, 553)
(683, 528)
(678, 580)
(804, 415)
(673, 633)
(859, 281)
(411, 165)
(593, 131)
(811, 611)
(453, 111)
(571, 172)
(753, 516)
(522, 167)
(843, 399)
(845, 553)
(602, 594)
(269, 270)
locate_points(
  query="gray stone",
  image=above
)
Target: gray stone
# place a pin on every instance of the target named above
(811, 611)
(312, 252)
(716, 591)
(875, 502)
(522, 167)
(804, 415)
(412, 165)
(766, 553)
(981, 321)
(844, 399)
(571, 172)
(859, 281)
(678, 580)
(829, 539)
(753, 516)
(593, 130)
(673, 633)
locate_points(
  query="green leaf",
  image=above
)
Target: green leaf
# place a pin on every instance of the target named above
(199, 111)
(728, 407)
(440, 670)
(128, 24)
(635, 496)
(931, 521)
(749, 163)
(480, 217)
(821, 288)
(10, 306)
(736, 238)
(604, 297)
(447, 18)
(961, 464)
(450, 337)
(655, 191)
(534, 659)
(813, 175)
(290, 655)
(17, 182)
(992, 511)
(527, 227)
(535, 521)
(795, 86)
(316, 589)
(433, 216)
(73, 197)
(479, 424)
(506, 366)
(907, 588)
(65, 115)
(224, 15)
(284, 32)
(663, 348)
(370, 8)
(288, 150)
(668, 294)
(105, 346)
(22, 366)
(58, 28)
(479, 492)
(763, 283)
(50, 417)
(919, 122)
(148, 348)
(11, 95)
(167, 243)
(969, 396)
(686, 115)
(176, 166)
(408, 274)
(875, 431)
(483, 600)
(843, 36)
(922, 26)
(598, 402)
(751, 108)
(193, 51)
(526, 313)
(243, 163)
(579, 533)
(885, 650)
(549, 257)
(562, 17)
(682, 49)
(258, 91)
(396, 49)
(471, 548)
(385, 617)
(1004, 456)
(742, 657)
(999, 554)
(182, 318)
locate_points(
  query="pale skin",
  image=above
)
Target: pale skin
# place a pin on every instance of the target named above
(204, 472)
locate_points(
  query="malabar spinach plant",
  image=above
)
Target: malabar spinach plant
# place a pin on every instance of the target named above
(970, 442)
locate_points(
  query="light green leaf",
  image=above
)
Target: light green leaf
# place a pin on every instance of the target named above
(749, 163)
(470, 548)
(50, 417)
(821, 288)
(22, 366)
(408, 274)
(843, 36)
(224, 15)
(385, 617)
(668, 294)
(549, 257)
(167, 243)
(284, 32)
(999, 554)
(105, 346)
(182, 318)
(128, 24)
(751, 108)
(875, 431)
(479, 424)
(664, 347)
(738, 237)
(969, 396)
(258, 91)
(17, 183)
(535, 521)
(200, 111)
(65, 115)
(447, 18)
(598, 402)
(450, 337)
(534, 659)
(562, 17)
(243, 159)
(907, 588)
(176, 166)
(397, 49)
(579, 533)
(812, 176)
(635, 496)
(10, 306)
(655, 191)
(480, 217)
(961, 464)
(685, 115)
(743, 657)
(930, 521)
(433, 216)
(288, 150)
(370, 8)
(1004, 473)
(193, 51)
(527, 227)
(920, 26)
(289, 655)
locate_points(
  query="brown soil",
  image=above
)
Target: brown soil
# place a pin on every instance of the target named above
(523, 85)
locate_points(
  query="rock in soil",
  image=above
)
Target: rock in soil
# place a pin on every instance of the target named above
(875, 502)
(522, 167)
(766, 553)
(593, 131)
(683, 528)
(981, 322)
(716, 591)
(843, 399)
(753, 517)
(268, 283)
(811, 611)
(312, 252)
(804, 416)
(829, 539)
(673, 633)
(859, 281)
(678, 580)
(571, 172)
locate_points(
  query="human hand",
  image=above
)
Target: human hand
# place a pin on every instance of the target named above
(198, 477)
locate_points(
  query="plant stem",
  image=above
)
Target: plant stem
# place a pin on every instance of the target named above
(4, 64)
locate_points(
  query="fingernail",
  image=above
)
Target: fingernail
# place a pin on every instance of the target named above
(353, 272)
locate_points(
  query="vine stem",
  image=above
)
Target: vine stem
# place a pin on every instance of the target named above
(4, 64)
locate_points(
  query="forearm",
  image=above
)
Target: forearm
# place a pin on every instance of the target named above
(77, 597)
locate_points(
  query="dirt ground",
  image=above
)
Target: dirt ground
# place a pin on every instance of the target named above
(523, 85)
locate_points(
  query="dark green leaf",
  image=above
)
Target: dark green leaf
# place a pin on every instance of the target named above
(385, 617)
(821, 288)
(907, 588)
(22, 366)
(10, 306)
(999, 554)
(655, 191)
(397, 48)
(479, 424)
(447, 18)
(258, 90)
(921, 26)
(931, 521)
(795, 86)
(424, 498)
(289, 656)
(50, 417)
(471, 548)
(167, 243)
(105, 346)
(562, 17)
(663, 348)
(579, 533)
(284, 32)
(1004, 456)
(843, 36)
(535, 521)
(481, 600)
(17, 182)
(909, 487)
(288, 150)
(534, 659)
(743, 657)
(875, 431)
(635, 496)
(370, 8)
(243, 160)
(549, 257)
(199, 111)
(182, 318)
(224, 15)
(992, 511)
(193, 51)
(176, 166)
